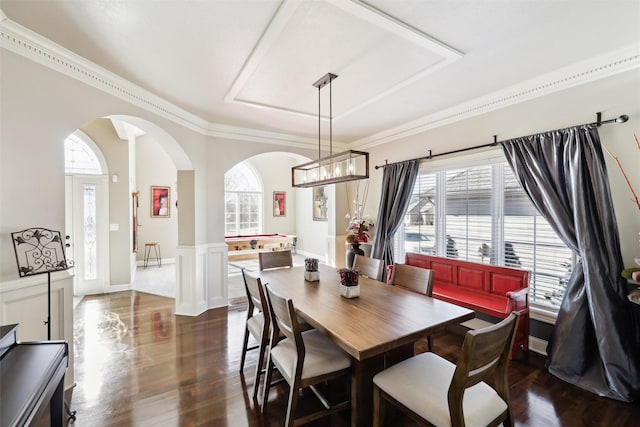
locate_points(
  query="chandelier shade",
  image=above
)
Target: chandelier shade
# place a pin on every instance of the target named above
(349, 165)
(346, 166)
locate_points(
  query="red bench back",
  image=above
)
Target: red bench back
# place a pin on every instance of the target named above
(486, 278)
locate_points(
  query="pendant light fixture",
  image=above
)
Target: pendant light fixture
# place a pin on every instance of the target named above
(346, 166)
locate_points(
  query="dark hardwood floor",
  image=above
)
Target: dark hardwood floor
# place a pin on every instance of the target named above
(136, 364)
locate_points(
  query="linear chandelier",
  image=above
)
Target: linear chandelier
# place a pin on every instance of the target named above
(349, 165)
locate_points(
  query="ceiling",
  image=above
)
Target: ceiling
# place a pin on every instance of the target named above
(402, 64)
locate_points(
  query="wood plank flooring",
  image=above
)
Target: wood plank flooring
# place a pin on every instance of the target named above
(139, 365)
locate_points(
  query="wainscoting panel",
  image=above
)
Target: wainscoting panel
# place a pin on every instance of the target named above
(24, 301)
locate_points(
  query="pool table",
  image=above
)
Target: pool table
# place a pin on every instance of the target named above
(253, 243)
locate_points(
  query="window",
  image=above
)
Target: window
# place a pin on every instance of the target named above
(468, 213)
(243, 201)
(79, 158)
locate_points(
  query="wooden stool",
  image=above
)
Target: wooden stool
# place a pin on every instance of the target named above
(147, 252)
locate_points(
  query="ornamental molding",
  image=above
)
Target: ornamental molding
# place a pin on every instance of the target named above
(41, 50)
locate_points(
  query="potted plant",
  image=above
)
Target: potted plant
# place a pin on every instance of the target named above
(311, 273)
(349, 287)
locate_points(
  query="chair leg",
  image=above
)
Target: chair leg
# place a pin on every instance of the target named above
(292, 405)
(378, 407)
(245, 342)
(429, 343)
(259, 367)
(508, 422)
(267, 383)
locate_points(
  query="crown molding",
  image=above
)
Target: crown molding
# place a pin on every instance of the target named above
(28, 44)
(33, 46)
(24, 42)
(253, 135)
(606, 65)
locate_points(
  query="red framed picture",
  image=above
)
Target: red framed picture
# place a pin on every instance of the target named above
(279, 203)
(160, 202)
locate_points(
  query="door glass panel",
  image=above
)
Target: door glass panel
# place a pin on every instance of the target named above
(90, 249)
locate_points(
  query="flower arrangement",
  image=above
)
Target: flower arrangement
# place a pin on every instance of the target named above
(632, 273)
(349, 282)
(348, 277)
(360, 225)
(358, 230)
(311, 264)
(311, 273)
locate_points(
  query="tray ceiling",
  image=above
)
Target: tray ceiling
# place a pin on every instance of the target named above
(246, 68)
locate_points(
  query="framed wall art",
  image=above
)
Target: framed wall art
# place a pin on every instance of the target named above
(279, 203)
(160, 202)
(320, 203)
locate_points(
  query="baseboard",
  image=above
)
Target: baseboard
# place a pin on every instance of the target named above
(538, 345)
(140, 262)
(118, 288)
(77, 300)
(535, 344)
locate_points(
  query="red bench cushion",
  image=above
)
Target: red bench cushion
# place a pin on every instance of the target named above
(494, 305)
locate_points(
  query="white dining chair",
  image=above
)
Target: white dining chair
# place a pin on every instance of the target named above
(257, 325)
(473, 392)
(304, 359)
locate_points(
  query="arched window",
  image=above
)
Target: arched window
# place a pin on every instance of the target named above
(79, 156)
(243, 201)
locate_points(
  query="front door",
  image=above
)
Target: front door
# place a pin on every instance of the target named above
(87, 213)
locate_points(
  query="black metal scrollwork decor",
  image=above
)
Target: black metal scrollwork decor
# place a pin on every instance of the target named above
(39, 250)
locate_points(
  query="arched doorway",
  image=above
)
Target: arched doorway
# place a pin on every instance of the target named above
(113, 180)
(86, 218)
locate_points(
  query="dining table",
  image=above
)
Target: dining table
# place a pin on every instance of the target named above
(383, 319)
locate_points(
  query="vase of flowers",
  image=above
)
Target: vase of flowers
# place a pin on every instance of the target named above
(360, 226)
(349, 287)
(311, 273)
(352, 250)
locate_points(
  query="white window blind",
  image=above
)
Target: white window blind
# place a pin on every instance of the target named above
(468, 213)
(468, 217)
(536, 247)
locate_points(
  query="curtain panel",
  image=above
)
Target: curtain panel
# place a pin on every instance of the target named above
(596, 338)
(398, 180)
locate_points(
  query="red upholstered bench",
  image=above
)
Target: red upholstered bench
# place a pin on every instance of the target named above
(489, 289)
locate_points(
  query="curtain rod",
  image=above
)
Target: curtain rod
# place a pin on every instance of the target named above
(599, 122)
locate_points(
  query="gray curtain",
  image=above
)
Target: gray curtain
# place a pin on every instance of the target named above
(596, 339)
(398, 180)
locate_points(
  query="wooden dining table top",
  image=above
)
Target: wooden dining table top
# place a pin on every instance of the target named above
(382, 318)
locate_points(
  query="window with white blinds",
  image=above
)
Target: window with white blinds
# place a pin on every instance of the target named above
(468, 213)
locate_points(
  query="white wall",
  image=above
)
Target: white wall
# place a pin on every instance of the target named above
(313, 236)
(40, 107)
(613, 96)
(154, 167)
(274, 169)
(116, 153)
